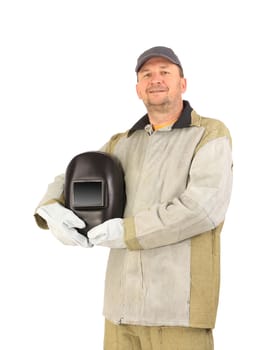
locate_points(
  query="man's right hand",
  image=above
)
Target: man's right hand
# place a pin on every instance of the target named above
(63, 223)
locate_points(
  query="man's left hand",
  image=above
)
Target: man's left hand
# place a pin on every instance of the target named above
(109, 234)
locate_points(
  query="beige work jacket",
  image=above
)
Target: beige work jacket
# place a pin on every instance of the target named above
(178, 186)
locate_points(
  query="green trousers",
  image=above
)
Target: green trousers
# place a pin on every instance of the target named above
(128, 337)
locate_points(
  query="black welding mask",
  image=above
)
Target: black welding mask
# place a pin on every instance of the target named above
(94, 188)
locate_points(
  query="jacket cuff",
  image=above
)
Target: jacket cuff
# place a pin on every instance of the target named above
(41, 222)
(130, 237)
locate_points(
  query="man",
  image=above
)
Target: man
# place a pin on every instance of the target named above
(162, 279)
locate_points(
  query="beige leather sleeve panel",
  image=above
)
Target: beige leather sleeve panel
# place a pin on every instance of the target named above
(110, 145)
(130, 234)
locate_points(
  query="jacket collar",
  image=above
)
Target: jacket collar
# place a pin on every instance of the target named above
(183, 121)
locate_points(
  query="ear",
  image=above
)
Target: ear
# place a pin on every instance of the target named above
(183, 85)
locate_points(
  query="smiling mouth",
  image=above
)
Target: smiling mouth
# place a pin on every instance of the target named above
(156, 91)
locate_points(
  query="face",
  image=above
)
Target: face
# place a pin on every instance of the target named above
(160, 84)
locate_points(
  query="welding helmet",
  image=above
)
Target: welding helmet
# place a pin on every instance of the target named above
(94, 188)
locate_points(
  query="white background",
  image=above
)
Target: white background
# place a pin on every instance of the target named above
(67, 84)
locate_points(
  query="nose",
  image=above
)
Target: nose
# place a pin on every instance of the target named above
(156, 78)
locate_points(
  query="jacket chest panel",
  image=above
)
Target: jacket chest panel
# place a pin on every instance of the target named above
(156, 167)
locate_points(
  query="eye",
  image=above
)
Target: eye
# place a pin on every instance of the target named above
(146, 75)
(165, 72)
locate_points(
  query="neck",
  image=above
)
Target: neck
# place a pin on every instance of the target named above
(159, 115)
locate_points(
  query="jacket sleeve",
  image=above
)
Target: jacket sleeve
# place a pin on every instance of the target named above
(201, 207)
(54, 193)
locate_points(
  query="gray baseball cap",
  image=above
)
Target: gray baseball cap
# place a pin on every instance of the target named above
(158, 51)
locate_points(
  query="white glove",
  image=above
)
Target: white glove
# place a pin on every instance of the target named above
(62, 222)
(109, 234)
